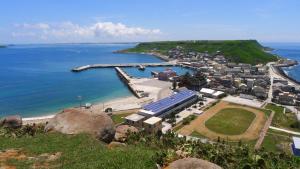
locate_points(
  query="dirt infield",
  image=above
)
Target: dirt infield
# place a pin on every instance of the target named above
(199, 124)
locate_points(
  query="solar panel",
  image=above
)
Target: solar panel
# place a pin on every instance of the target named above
(170, 101)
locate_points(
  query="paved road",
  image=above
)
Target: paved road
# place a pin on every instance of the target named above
(273, 74)
(284, 130)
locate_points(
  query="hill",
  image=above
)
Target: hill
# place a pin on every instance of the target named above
(240, 51)
(30, 147)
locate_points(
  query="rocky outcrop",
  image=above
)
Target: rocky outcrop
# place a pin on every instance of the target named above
(74, 121)
(11, 121)
(122, 131)
(193, 163)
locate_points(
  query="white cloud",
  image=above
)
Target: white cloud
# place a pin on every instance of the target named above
(119, 29)
(69, 30)
(33, 26)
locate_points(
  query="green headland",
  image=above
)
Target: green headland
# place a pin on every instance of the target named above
(239, 51)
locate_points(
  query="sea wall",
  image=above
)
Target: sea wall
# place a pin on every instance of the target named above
(279, 70)
(155, 54)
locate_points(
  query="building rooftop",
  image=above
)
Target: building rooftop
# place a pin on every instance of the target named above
(152, 120)
(206, 90)
(146, 112)
(163, 104)
(296, 141)
(134, 117)
(218, 93)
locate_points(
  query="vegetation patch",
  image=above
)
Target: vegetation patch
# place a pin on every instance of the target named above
(78, 151)
(120, 118)
(222, 154)
(240, 51)
(19, 149)
(230, 121)
(277, 141)
(197, 134)
(188, 119)
(185, 121)
(286, 120)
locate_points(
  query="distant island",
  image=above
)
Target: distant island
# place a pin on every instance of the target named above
(239, 51)
(2, 46)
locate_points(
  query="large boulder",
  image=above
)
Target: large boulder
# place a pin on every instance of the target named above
(122, 131)
(193, 163)
(11, 121)
(74, 121)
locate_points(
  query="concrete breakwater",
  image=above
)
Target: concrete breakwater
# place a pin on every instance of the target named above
(86, 67)
(280, 71)
(126, 78)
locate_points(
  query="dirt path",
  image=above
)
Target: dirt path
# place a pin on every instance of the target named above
(264, 131)
(199, 124)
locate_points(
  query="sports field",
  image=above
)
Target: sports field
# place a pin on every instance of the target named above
(228, 121)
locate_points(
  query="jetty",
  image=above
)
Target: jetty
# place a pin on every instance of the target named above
(127, 80)
(93, 66)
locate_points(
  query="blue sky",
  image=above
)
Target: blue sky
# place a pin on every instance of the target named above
(50, 21)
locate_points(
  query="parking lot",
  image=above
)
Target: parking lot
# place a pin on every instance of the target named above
(242, 101)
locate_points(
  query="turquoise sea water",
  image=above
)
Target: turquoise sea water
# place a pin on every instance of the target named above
(147, 72)
(36, 80)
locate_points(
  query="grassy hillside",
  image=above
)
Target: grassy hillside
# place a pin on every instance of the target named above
(241, 51)
(30, 147)
(79, 151)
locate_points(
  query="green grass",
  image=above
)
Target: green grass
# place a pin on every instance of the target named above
(265, 111)
(240, 51)
(119, 118)
(230, 121)
(185, 121)
(80, 151)
(188, 119)
(287, 120)
(276, 139)
(197, 134)
(178, 127)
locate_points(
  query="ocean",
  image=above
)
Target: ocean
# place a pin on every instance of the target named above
(35, 80)
(290, 51)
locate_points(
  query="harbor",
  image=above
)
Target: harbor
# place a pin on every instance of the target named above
(93, 66)
(126, 78)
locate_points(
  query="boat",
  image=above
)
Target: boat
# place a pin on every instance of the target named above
(141, 67)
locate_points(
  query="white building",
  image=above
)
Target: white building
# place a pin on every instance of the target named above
(211, 93)
(152, 125)
(135, 120)
(296, 146)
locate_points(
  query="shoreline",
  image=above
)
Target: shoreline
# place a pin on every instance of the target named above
(130, 103)
(280, 71)
(155, 54)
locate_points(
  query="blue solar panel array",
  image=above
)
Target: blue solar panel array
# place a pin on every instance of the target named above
(160, 106)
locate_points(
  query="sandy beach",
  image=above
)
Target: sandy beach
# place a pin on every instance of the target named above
(118, 104)
(156, 89)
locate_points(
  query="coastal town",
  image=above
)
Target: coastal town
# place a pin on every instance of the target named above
(133, 84)
(206, 105)
(164, 101)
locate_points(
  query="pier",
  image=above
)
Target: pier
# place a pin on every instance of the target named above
(126, 78)
(86, 67)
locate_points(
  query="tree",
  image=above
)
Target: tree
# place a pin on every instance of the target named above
(193, 82)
